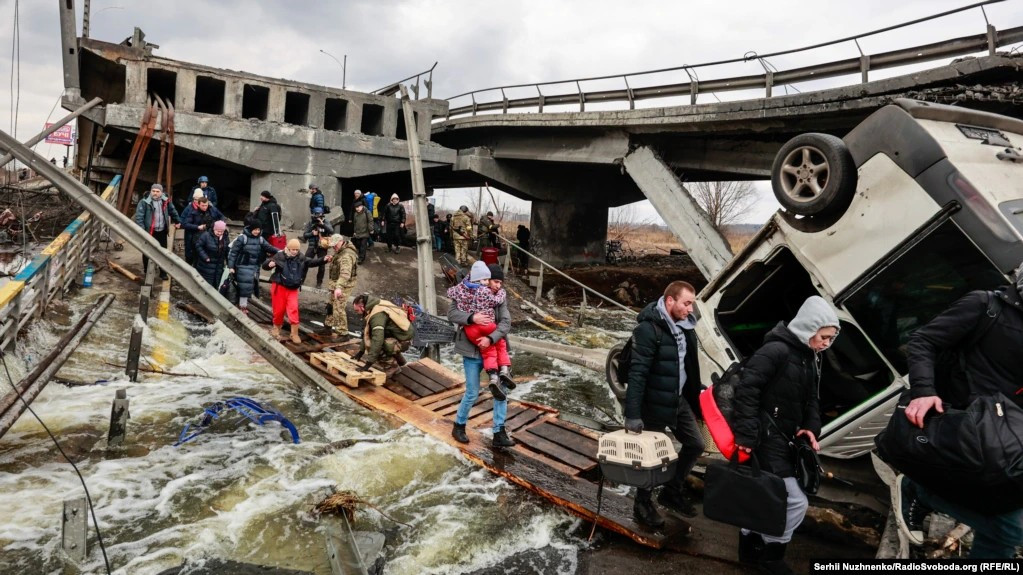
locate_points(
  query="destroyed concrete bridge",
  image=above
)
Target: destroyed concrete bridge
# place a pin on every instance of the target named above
(251, 133)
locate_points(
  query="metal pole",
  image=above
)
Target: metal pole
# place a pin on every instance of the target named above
(85, 17)
(344, 72)
(118, 419)
(42, 135)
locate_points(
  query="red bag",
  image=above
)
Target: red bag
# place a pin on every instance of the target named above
(716, 405)
(278, 239)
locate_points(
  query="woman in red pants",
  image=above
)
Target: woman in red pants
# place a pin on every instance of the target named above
(289, 267)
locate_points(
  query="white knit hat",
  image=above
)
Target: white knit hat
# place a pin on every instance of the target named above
(479, 271)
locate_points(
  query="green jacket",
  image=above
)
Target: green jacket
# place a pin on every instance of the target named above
(380, 326)
(343, 268)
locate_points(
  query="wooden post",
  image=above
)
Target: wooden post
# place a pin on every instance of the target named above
(582, 309)
(74, 530)
(507, 259)
(539, 284)
(118, 419)
(139, 325)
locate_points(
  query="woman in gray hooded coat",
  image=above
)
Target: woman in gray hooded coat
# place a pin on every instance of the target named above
(776, 401)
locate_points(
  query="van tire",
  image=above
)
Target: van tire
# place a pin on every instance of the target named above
(611, 372)
(814, 175)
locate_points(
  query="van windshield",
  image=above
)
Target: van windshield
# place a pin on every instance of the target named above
(916, 287)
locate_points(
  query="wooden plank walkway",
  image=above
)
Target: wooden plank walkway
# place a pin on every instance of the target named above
(552, 458)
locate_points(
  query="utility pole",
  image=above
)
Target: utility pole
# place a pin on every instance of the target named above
(424, 243)
(85, 17)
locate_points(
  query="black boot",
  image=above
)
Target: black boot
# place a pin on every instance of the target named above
(751, 547)
(674, 500)
(458, 432)
(495, 387)
(399, 359)
(772, 561)
(501, 439)
(643, 510)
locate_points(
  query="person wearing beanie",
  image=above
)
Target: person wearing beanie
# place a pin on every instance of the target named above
(211, 249)
(289, 266)
(479, 305)
(269, 213)
(781, 380)
(461, 233)
(198, 217)
(341, 277)
(316, 232)
(247, 253)
(394, 222)
(362, 226)
(357, 199)
(207, 190)
(984, 330)
(316, 200)
(487, 231)
(156, 214)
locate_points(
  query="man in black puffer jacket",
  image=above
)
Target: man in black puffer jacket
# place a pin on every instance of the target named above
(992, 367)
(663, 390)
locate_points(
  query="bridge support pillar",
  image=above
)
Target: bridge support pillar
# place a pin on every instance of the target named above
(685, 218)
(291, 194)
(566, 233)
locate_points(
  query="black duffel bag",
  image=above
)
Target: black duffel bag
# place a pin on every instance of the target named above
(971, 456)
(229, 289)
(745, 496)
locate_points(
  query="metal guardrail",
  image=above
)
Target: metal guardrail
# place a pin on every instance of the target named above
(51, 272)
(990, 40)
(391, 89)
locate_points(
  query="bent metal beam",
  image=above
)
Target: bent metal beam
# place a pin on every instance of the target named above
(286, 362)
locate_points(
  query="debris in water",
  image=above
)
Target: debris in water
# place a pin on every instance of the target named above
(344, 503)
(248, 409)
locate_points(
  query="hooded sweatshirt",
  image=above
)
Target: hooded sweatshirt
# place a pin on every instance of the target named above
(814, 314)
(680, 340)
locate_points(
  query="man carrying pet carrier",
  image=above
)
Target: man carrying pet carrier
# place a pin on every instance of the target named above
(663, 390)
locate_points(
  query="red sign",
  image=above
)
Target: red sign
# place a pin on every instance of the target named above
(64, 135)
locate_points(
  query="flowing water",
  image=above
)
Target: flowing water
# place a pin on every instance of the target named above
(245, 494)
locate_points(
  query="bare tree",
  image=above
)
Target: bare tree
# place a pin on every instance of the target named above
(724, 202)
(624, 221)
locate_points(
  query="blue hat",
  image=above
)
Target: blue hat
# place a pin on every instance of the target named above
(317, 211)
(203, 179)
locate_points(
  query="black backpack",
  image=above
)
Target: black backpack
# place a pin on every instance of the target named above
(625, 357)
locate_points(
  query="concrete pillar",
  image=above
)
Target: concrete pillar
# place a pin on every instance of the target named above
(184, 90)
(275, 106)
(233, 97)
(391, 111)
(291, 193)
(135, 77)
(685, 218)
(565, 233)
(69, 49)
(353, 118)
(317, 107)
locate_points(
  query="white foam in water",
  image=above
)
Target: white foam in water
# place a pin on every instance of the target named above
(242, 494)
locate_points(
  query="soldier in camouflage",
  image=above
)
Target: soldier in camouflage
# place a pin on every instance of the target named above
(341, 276)
(461, 232)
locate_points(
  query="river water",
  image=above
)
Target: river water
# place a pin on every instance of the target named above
(245, 494)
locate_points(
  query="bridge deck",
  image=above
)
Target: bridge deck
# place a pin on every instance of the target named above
(552, 458)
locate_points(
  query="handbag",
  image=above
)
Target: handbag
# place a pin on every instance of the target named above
(745, 496)
(229, 289)
(808, 466)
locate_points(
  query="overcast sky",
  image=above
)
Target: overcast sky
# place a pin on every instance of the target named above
(477, 43)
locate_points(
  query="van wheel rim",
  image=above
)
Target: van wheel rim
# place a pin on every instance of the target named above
(804, 174)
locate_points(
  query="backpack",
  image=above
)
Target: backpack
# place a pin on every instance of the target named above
(718, 407)
(625, 357)
(950, 364)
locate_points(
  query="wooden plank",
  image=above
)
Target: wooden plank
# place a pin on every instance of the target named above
(401, 390)
(434, 401)
(576, 429)
(554, 450)
(448, 399)
(580, 444)
(415, 388)
(426, 374)
(424, 381)
(441, 373)
(481, 408)
(520, 420)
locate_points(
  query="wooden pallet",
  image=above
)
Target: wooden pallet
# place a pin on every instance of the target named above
(343, 367)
